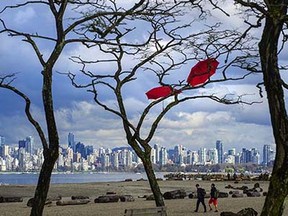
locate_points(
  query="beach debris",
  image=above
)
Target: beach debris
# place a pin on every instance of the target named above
(234, 192)
(141, 179)
(237, 195)
(10, 199)
(72, 202)
(243, 212)
(107, 199)
(247, 212)
(175, 194)
(55, 198)
(79, 197)
(126, 198)
(253, 194)
(228, 214)
(31, 202)
(150, 197)
(223, 194)
(193, 195)
(245, 189)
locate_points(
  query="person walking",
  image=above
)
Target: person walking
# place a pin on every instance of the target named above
(200, 197)
(213, 198)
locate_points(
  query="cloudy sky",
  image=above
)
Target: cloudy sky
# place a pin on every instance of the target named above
(195, 124)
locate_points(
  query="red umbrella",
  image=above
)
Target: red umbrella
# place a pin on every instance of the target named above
(202, 71)
(158, 92)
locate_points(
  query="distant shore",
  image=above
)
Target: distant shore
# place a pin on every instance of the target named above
(138, 189)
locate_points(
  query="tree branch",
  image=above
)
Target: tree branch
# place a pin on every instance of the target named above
(5, 82)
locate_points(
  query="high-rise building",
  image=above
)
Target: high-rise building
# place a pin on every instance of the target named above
(192, 157)
(4, 151)
(105, 160)
(163, 159)
(179, 153)
(157, 152)
(232, 151)
(80, 148)
(71, 141)
(29, 144)
(219, 147)
(213, 155)
(2, 140)
(153, 156)
(115, 159)
(255, 156)
(246, 156)
(202, 156)
(268, 154)
(22, 144)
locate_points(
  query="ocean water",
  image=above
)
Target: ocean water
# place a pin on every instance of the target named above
(61, 178)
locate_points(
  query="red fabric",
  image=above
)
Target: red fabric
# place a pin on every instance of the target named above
(214, 201)
(158, 92)
(201, 72)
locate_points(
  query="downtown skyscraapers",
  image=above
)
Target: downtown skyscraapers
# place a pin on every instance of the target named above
(71, 141)
(219, 147)
(268, 154)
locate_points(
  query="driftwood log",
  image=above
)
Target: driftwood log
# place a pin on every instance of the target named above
(150, 197)
(31, 202)
(175, 194)
(223, 195)
(228, 214)
(234, 192)
(253, 194)
(243, 212)
(247, 212)
(237, 195)
(126, 198)
(192, 195)
(10, 199)
(72, 202)
(79, 197)
(107, 199)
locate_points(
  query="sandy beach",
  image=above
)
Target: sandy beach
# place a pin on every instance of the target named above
(176, 207)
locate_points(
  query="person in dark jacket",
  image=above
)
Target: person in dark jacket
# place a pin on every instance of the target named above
(213, 198)
(200, 197)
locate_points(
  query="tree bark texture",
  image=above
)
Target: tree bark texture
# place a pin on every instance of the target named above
(268, 49)
(153, 182)
(51, 153)
(43, 185)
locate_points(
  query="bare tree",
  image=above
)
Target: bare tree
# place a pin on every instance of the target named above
(166, 47)
(273, 14)
(106, 23)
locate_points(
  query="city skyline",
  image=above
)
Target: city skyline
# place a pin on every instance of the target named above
(71, 141)
(29, 145)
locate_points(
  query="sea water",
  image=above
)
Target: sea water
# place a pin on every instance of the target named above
(7, 178)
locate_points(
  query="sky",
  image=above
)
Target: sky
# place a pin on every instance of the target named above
(194, 124)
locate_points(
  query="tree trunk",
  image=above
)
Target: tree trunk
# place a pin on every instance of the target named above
(43, 185)
(153, 182)
(268, 49)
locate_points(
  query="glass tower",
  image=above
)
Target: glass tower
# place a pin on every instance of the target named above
(219, 147)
